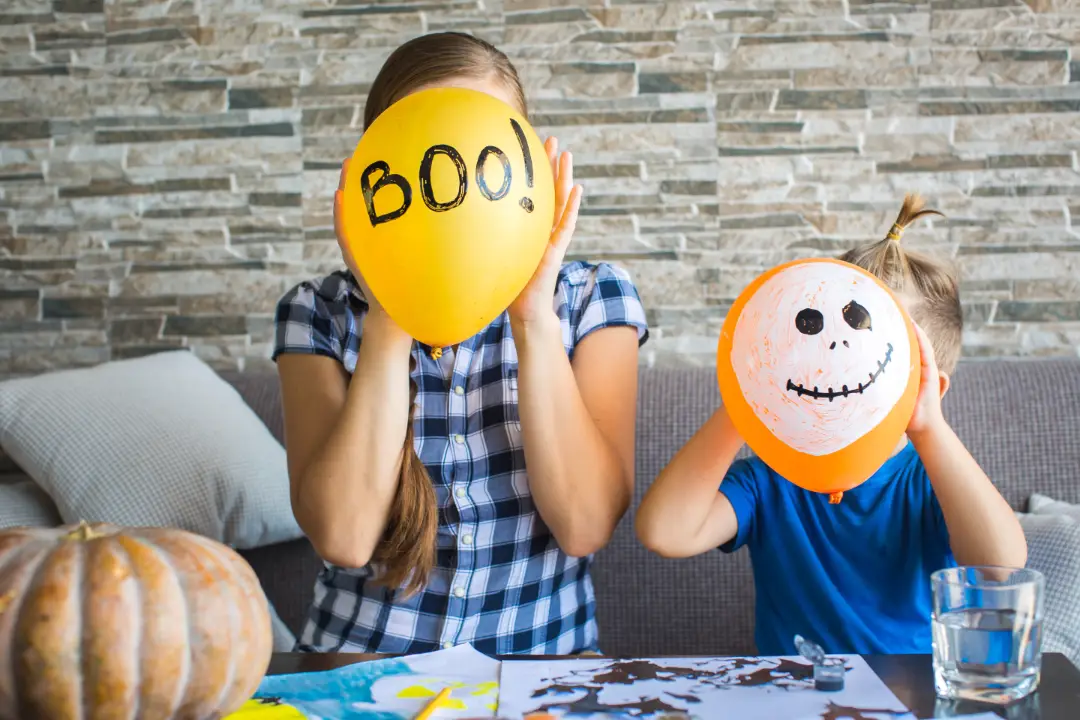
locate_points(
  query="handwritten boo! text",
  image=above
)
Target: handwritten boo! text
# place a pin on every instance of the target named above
(385, 177)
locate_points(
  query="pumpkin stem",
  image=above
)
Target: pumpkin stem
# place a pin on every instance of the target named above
(83, 533)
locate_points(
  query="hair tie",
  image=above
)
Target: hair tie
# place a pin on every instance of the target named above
(895, 232)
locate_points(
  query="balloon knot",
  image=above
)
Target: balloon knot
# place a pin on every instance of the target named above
(436, 353)
(834, 498)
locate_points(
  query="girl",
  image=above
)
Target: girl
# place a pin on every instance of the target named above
(458, 497)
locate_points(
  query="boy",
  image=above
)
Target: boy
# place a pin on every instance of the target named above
(854, 577)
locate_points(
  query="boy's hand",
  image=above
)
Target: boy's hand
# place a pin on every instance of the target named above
(981, 527)
(927, 414)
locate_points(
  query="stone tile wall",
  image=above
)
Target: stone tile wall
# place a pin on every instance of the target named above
(166, 167)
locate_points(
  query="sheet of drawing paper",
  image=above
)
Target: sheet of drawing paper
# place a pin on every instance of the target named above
(391, 689)
(749, 688)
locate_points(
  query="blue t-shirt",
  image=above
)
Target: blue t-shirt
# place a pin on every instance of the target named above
(853, 577)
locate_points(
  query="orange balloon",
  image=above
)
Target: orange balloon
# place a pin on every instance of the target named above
(819, 370)
(447, 209)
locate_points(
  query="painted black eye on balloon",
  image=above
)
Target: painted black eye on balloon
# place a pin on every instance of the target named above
(857, 316)
(809, 321)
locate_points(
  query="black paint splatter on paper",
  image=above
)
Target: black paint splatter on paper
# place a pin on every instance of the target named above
(591, 704)
(842, 712)
(785, 674)
(785, 670)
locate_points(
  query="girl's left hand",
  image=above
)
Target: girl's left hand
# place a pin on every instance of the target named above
(536, 301)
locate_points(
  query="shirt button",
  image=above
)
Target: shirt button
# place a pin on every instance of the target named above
(447, 645)
(460, 492)
(467, 539)
(459, 390)
(459, 439)
(459, 592)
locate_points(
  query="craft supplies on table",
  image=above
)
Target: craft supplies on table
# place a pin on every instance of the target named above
(477, 687)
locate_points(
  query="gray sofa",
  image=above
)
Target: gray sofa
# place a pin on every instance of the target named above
(1021, 420)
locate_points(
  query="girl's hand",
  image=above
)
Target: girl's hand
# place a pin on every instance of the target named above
(536, 301)
(376, 312)
(927, 414)
(339, 232)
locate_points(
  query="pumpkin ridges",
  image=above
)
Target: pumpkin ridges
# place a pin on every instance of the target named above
(20, 558)
(261, 606)
(257, 647)
(234, 624)
(210, 655)
(262, 638)
(111, 619)
(163, 657)
(48, 632)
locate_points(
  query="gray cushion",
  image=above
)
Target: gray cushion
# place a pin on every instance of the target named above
(24, 504)
(158, 440)
(1054, 550)
(1039, 504)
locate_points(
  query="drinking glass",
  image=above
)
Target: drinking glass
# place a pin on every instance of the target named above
(987, 628)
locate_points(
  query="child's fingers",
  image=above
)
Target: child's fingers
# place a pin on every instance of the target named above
(564, 231)
(338, 195)
(338, 199)
(566, 169)
(564, 183)
(551, 147)
(926, 350)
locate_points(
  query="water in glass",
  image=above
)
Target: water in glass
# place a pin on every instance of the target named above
(987, 633)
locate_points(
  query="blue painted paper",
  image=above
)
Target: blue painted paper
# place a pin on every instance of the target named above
(393, 688)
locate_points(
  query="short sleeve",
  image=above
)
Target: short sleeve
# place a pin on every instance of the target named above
(741, 487)
(314, 318)
(938, 517)
(610, 300)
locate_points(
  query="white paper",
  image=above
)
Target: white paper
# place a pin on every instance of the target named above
(755, 688)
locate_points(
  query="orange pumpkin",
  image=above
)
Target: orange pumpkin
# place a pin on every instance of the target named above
(98, 621)
(818, 365)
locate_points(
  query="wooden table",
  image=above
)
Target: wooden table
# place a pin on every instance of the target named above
(908, 676)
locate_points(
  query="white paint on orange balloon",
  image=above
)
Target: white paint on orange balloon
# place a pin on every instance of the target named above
(769, 350)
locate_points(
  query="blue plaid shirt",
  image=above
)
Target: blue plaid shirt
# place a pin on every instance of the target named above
(500, 580)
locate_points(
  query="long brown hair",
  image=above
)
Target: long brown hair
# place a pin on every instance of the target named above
(931, 286)
(407, 551)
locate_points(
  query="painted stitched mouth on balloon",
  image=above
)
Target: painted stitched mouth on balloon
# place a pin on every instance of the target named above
(844, 391)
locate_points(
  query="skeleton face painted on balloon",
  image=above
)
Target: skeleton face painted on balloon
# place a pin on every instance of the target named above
(821, 354)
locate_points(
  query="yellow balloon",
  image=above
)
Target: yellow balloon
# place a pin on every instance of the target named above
(447, 209)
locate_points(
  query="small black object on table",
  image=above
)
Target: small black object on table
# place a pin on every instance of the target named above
(910, 677)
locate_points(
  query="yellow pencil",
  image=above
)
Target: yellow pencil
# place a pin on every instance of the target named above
(432, 706)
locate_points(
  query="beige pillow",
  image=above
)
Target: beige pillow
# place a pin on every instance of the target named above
(160, 440)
